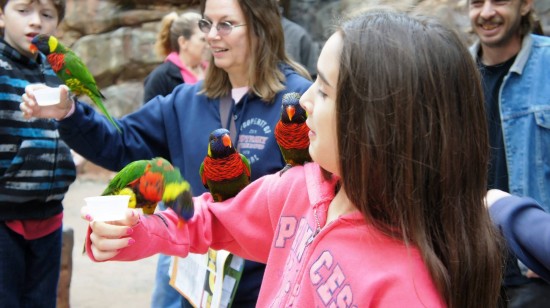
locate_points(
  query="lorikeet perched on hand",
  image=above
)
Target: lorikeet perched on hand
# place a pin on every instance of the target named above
(151, 181)
(70, 69)
(291, 132)
(224, 171)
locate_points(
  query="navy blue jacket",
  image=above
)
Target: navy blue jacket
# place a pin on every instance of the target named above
(526, 228)
(177, 128)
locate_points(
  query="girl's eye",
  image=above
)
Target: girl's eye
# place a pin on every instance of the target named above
(319, 85)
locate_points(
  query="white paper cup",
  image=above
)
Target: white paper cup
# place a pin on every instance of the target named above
(107, 208)
(47, 96)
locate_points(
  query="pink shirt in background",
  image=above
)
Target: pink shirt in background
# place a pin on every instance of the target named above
(186, 74)
(31, 229)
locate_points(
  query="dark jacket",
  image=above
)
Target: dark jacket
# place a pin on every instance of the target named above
(526, 228)
(162, 80)
(36, 167)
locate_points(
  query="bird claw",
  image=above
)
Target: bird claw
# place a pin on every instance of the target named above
(288, 166)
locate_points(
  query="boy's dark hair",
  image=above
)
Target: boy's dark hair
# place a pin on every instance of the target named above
(58, 4)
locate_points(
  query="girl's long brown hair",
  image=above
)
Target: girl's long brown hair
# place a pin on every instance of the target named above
(414, 147)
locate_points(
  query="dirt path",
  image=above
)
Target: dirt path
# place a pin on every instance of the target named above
(109, 284)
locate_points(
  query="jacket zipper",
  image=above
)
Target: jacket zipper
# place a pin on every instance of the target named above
(317, 228)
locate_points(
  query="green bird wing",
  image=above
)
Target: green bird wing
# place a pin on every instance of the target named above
(246, 163)
(77, 76)
(128, 174)
(201, 173)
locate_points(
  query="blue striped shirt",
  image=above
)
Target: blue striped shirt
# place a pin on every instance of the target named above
(36, 166)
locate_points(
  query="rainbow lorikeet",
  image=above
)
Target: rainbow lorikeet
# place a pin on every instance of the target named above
(151, 181)
(70, 69)
(148, 182)
(224, 171)
(291, 132)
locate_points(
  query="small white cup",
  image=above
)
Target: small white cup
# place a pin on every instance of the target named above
(47, 96)
(107, 208)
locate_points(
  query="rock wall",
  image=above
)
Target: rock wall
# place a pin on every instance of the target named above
(115, 38)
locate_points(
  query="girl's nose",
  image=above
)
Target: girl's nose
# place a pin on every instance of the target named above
(305, 99)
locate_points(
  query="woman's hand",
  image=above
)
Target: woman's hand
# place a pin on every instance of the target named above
(59, 111)
(108, 238)
(493, 195)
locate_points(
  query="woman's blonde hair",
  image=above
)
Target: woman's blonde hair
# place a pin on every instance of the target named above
(172, 27)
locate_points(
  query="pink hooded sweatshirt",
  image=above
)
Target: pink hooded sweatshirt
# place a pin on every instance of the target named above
(280, 221)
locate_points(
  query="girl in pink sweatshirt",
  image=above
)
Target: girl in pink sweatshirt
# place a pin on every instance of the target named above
(391, 212)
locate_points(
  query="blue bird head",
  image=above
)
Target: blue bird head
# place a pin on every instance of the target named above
(220, 144)
(292, 111)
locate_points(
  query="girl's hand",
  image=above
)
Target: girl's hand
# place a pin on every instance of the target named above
(493, 195)
(108, 238)
(59, 111)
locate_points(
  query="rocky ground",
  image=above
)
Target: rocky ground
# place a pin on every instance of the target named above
(109, 284)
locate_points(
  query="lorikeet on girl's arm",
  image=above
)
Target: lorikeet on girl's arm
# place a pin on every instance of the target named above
(224, 171)
(150, 181)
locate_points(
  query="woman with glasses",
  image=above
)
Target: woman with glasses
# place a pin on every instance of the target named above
(249, 73)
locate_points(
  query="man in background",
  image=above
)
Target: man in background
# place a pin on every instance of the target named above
(514, 67)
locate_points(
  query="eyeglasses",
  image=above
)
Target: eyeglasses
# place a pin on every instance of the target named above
(223, 28)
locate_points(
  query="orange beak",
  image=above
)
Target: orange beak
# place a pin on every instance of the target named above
(290, 111)
(33, 48)
(226, 140)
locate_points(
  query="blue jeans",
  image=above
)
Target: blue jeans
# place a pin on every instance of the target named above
(163, 294)
(29, 269)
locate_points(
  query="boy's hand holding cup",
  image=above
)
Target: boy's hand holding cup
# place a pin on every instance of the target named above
(41, 101)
